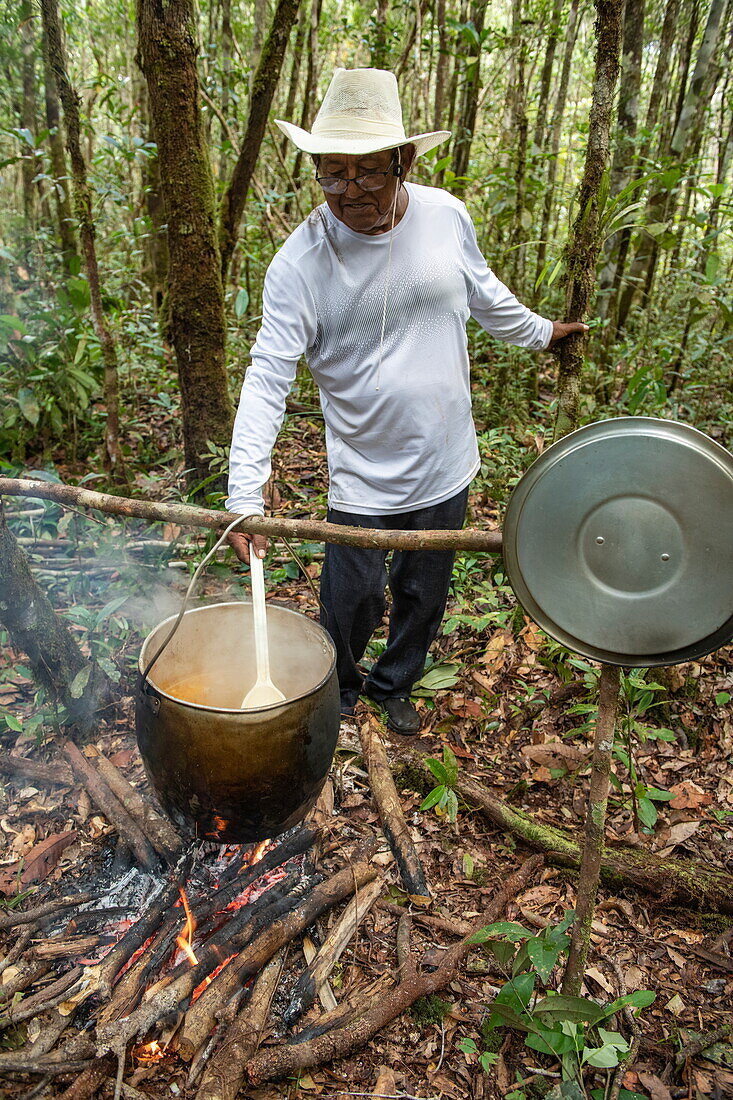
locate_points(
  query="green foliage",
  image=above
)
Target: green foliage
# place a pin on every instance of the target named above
(569, 1029)
(443, 798)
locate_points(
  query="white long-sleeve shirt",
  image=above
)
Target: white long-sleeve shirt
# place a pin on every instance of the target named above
(399, 434)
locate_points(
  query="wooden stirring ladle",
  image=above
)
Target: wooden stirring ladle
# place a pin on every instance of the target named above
(263, 693)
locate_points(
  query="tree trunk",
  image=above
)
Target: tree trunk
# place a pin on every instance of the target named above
(294, 72)
(167, 56)
(571, 35)
(311, 82)
(622, 167)
(539, 138)
(83, 204)
(34, 628)
(441, 67)
(380, 46)
(28, 114)
(227, 48)
(264, 84)
(58, 163)
(658, 206)
(469, 104)
(519, 129)
(584, 244)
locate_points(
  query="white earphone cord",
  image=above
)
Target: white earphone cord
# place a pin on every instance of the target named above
(388, 277)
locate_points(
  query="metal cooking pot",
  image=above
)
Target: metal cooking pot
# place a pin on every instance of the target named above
(223, 773)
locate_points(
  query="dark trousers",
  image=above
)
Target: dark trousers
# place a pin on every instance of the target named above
(353, 585)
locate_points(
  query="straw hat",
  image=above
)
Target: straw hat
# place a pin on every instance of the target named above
(360, 113)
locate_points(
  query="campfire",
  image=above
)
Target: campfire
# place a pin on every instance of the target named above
(177, 958)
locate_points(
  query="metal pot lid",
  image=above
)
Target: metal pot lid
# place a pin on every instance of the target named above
(618, 542)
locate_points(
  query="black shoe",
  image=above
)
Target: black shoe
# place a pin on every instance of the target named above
(401, 715)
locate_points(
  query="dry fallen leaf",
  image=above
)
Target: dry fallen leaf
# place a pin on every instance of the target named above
(42, 859)
(555, 754)
(687, 795)
(656, 1088)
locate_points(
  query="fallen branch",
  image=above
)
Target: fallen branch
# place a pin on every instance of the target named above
(225, 1074)
(153, 825)
(48, 909)
(110, 806)
(672, 881)
(310, 530)
(54, 775)
(390, 810)
(317, 972)
(48, 997)
(697, 1046)
(286, 1060)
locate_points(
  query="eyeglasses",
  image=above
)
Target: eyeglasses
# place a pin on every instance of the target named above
(370, 181)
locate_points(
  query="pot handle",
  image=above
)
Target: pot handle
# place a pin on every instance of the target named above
(148, 696)
(204, 562)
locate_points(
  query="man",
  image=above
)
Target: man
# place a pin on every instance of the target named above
(375, 288)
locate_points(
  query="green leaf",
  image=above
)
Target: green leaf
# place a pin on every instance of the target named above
(506, 929)
(433, 798)
(451, 804)
(517, 992)
(487, 1060)
(468, 864)
(575, 1009)
(551, 1041)
(647, 812)
(109, 609)
(80, 681)
(110, 669)
(12, 722)
(451, 766)
(658, 795)
(468, 1046)
(28, 405)
(544, 955)
(438, 769)
(722, 698)
(641, 998)
(241, 302)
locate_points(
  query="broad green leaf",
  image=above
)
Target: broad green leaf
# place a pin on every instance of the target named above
(487, 1060)
(544, 955)
(28, 405)
(12, 722)
(641, 998)
(451, 766)
(451, 804)
(241, 302)
(109, 609)
(722, 698)
(110, 669)
(80, 681)
(517, 992)
(506, 929)
(647, 812)
(438, 769)
(551, 1041)
(433, 798)
(577, 1009)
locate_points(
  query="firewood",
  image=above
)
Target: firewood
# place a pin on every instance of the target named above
(26, 976)
(250, 960)
(17, 1063)
(48, 909)
(317, 972)
(69, 946)
(225, 1074)
(390, 810)
(156, 828)
(110, 806)
(442, 924)
(48, 997)
(287, 1060)
(53, 775)
(88, 1082)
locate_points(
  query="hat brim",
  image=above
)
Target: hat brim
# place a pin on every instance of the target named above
(317, 144)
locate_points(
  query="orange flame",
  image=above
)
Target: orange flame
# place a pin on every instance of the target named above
(257, 853)
(185, 939)
(151, 1052)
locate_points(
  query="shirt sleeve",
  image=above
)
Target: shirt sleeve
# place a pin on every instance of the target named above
(494, 306)
(287, 330)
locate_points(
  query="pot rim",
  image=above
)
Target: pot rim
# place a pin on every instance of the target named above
(234, 710)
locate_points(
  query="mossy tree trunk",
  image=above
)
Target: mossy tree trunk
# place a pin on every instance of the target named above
(36, 630)
(466, 124)
(167, 51)
(584, 244)
(83, 204)
(264, 84)
(58, 162)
